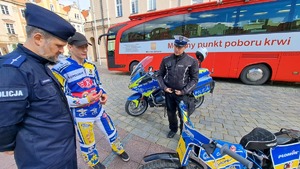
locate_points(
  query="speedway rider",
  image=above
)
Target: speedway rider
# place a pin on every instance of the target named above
(85, 95)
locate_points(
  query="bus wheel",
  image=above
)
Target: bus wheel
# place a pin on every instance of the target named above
(132, 66)
(255, 74)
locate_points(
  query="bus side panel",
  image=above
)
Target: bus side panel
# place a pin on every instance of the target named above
(270, 59)
(208, 62)
(289, 67)
(221, 64)
(235, 60)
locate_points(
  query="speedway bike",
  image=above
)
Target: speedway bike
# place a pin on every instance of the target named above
(260, 149)
(148, 92)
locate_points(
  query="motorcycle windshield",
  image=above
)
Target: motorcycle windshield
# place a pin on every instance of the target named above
(139, 70)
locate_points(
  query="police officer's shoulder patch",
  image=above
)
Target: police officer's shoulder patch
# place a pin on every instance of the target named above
(13, 93)
(15, 61)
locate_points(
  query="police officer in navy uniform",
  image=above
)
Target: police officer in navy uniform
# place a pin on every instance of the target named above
(178, 76)
(35, 121)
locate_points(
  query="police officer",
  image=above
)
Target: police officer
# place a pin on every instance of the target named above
(35, 121)
(178, 76)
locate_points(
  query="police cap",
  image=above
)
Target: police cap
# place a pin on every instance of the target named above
(48, 21)
(180, 41)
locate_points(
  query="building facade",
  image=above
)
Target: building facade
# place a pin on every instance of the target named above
(106, 13)
(12, 24)
(75, 17)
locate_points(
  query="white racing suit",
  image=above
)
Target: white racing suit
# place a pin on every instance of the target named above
(78, 81)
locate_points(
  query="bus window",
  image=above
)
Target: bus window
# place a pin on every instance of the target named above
(164, 28)
(270, 17)
(135, 33)
(296, 16)
(111, 47)
(210, 23)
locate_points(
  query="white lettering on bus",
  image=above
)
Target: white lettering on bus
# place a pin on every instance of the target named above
(279, 42)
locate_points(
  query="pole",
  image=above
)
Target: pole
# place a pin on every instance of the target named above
(81, 19)
(107, 14)
(102, 17)
(96, 32)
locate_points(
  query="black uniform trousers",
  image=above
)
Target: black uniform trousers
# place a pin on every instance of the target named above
(172, 104)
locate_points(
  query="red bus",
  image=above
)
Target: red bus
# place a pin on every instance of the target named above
(254, 40)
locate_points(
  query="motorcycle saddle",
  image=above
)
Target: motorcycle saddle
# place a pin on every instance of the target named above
(258, 139)
(287, 136)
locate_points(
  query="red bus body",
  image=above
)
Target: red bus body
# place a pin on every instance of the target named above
(244, 38)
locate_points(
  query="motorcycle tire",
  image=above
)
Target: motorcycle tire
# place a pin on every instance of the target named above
(132, 110)
(199, 101)
(164, 164)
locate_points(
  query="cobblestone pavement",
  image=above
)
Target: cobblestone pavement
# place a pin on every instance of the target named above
(231, 112)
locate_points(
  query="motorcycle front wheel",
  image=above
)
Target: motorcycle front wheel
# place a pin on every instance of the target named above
(199, 101)
(134, 110)
(163, 164)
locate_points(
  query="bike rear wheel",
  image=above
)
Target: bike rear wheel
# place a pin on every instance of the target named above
(199, 101)
(164, 164)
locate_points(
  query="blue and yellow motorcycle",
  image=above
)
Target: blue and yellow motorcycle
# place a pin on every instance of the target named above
(148, 92)
(260, 149)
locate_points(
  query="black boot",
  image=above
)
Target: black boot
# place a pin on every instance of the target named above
(99, 166)
(171, 134)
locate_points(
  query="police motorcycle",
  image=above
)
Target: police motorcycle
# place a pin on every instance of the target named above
(148, 91)
(260, 149)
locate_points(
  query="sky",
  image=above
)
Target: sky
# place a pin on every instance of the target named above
(83, 4)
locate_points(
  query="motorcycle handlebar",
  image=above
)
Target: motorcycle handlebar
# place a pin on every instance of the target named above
(226, 150)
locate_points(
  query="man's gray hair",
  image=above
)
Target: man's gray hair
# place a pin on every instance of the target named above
(30, 30)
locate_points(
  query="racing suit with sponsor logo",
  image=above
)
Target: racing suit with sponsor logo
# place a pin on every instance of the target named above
(79, 80)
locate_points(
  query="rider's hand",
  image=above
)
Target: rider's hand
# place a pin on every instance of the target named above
(9, 152)
(168, 90)
(93, 96)
(178, 92)
(103, 98)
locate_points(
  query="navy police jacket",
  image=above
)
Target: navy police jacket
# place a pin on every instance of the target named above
(35, 120)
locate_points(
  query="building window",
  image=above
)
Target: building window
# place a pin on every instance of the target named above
(197, 1)
(51, 7)
(151, 5)
(4, 9)
(10, 28)
(23, 13)
(76, 16)
(134, 6)
(119, 8)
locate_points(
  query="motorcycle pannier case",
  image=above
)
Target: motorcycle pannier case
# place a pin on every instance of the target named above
(205, 83)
